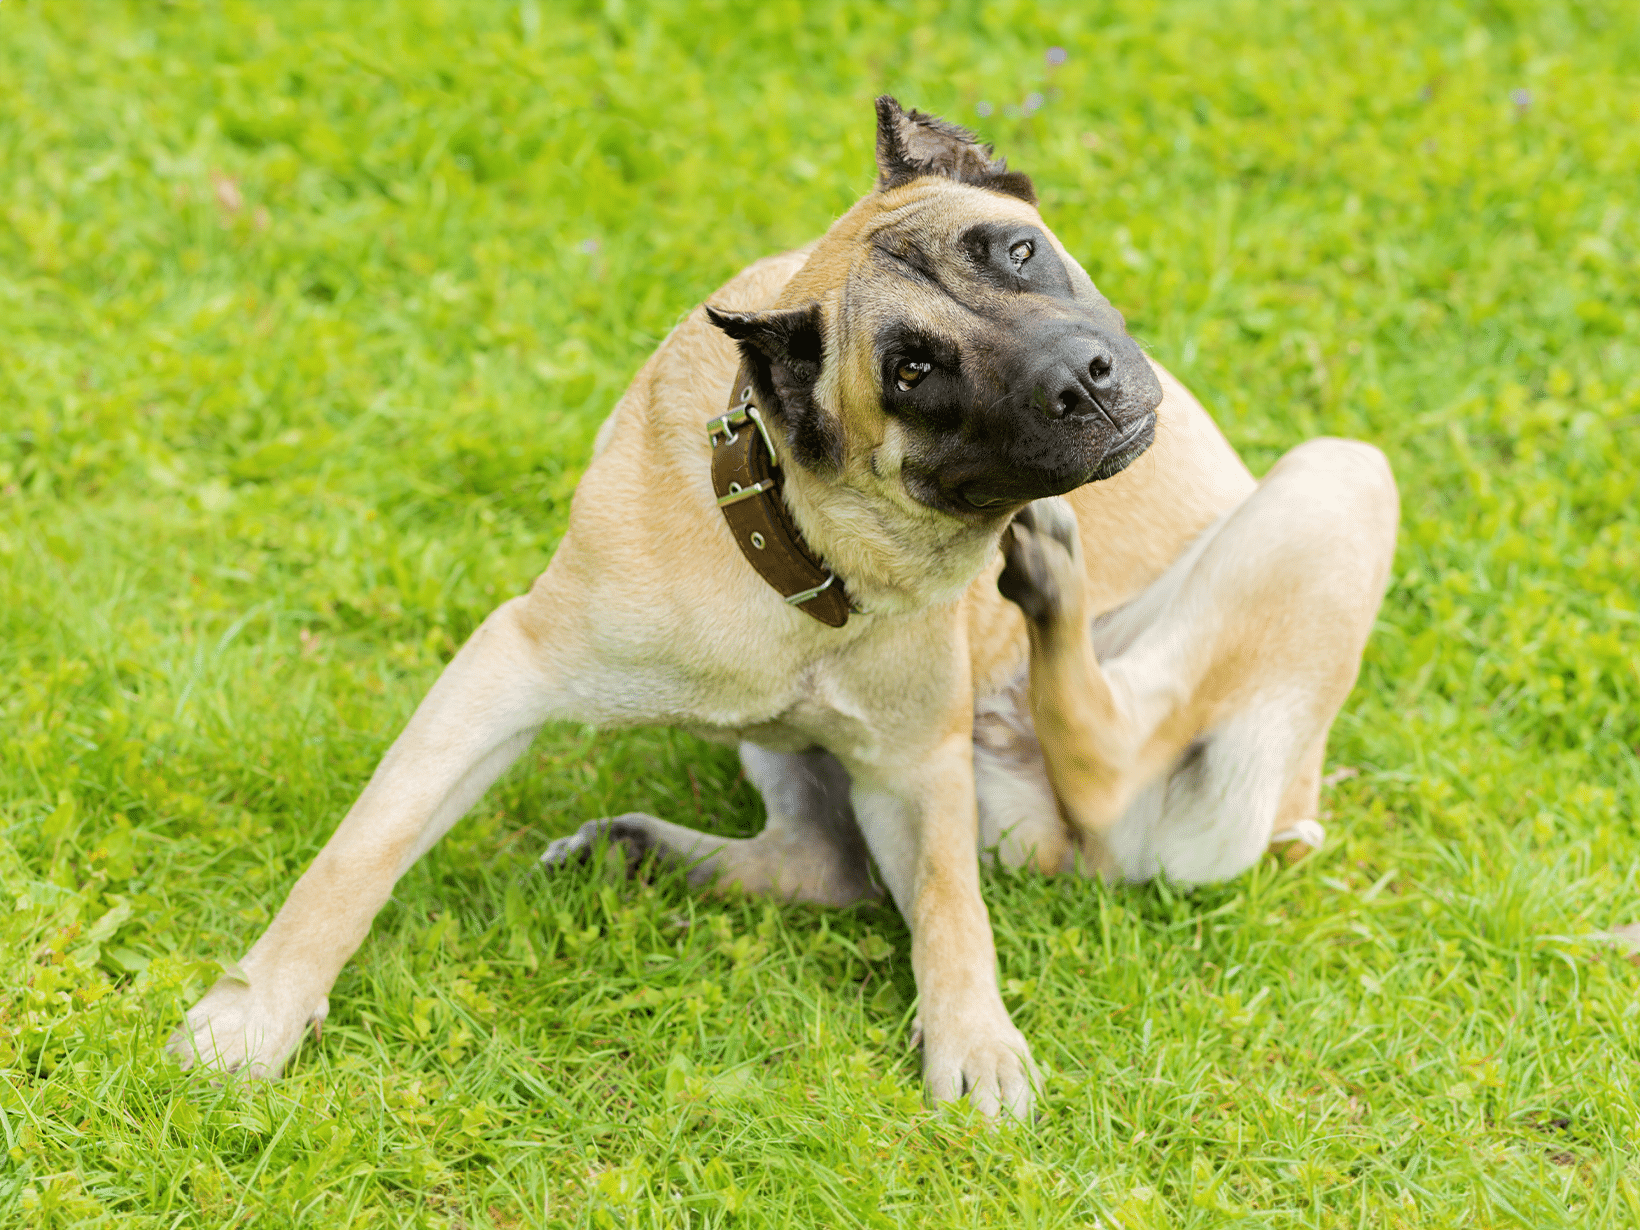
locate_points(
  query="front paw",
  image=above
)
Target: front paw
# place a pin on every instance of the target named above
(986, 1059)
(234, 1028)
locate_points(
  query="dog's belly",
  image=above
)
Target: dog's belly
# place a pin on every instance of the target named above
(773, 736)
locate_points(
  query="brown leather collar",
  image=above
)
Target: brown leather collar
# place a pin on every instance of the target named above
(746, 476)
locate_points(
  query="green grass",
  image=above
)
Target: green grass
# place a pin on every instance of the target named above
(307, 316)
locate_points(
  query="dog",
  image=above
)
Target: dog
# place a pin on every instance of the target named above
(790, 538)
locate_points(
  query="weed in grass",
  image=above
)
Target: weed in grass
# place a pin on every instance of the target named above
(310, 312)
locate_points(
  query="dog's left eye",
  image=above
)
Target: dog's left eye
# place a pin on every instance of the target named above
(910, 373)
(1020, 253)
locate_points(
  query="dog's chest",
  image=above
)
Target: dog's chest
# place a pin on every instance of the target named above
(820, 710)
(802, 728)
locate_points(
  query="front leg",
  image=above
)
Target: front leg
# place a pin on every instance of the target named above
(920, 821)
(482, 712)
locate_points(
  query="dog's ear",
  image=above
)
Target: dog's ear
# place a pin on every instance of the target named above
(911, 144)
(792, 338)
(785, 350)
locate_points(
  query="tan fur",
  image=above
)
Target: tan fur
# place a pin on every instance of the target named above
(1267, 612)
(648, 614)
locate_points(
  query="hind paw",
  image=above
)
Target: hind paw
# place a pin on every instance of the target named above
(627, 834)
(1042, 569)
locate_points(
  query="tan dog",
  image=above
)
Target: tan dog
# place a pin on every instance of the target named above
(923, 372)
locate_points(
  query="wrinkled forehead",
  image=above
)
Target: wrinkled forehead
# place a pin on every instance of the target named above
(927, 233)
(931, 203)
(920, 264)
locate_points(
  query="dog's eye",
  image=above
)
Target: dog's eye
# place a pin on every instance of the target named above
(1020, 253)
(910, 373)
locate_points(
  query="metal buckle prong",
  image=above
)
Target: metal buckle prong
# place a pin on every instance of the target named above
(729, 424)
(745, 493)
(756, 415)
(800, 599)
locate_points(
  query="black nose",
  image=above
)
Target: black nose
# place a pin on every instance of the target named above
(1078, 380)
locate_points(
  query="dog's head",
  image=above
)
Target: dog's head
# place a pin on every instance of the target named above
(941, 336)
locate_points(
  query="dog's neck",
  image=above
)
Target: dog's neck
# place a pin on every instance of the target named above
(748, 480)
(827, 545)
(896, 556)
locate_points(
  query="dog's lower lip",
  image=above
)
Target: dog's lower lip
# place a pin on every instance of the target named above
(1129, 445)
(986, 502)
(1127, 438)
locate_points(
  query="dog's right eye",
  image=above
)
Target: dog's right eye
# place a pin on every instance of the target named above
(909, 373)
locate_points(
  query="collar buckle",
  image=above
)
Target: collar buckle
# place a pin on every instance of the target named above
(729, 423)
(800, 599)
(746, 482)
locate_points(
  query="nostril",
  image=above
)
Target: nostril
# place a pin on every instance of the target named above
(1099, 369)
(1070, 402)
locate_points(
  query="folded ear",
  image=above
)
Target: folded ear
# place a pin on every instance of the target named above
(791, 337)
(911, 144)
(785, 351)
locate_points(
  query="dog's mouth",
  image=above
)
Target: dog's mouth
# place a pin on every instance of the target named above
(995, 493)
(1127, 449)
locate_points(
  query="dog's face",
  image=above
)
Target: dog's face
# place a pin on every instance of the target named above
(940, 333)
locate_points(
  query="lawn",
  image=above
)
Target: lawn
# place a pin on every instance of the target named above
(308, 313)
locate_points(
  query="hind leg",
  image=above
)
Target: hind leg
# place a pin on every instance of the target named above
(1298, 813)
(810, 849)
(1217, 684)
(1019, 820)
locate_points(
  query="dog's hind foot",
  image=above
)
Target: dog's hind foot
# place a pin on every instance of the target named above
(628, 835)
(1042, 572)
(1301, 838)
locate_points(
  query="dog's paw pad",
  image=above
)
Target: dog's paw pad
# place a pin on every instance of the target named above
(1041, 571)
